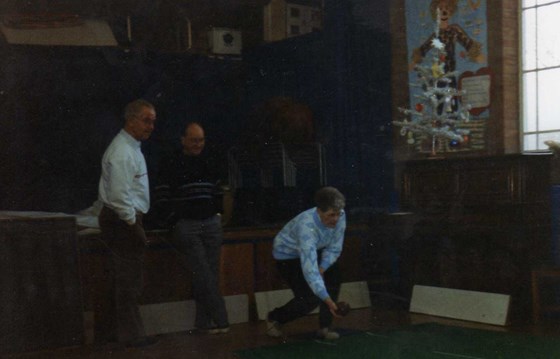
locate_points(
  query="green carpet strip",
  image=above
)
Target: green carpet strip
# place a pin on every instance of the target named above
(433, 341)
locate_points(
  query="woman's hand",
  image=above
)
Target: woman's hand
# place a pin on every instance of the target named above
(332, 307)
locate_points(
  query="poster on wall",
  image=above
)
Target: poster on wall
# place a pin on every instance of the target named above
(461, 27)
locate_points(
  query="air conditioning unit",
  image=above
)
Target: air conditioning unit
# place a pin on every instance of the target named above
(224, 41)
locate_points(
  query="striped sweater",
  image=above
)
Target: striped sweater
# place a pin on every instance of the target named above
(186, 189)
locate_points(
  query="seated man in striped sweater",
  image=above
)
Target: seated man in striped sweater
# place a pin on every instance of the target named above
(306, 250)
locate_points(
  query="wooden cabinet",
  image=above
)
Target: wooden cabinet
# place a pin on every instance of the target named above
(246, 267)
(41, 294)
(483, 223)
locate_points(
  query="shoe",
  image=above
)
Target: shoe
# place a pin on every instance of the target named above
(327, 334)
(273, 329)
(141, 342)
(218, 330)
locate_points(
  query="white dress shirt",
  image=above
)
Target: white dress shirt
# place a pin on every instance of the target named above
(124, 185)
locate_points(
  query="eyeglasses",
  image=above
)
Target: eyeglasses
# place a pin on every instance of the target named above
(196, 140)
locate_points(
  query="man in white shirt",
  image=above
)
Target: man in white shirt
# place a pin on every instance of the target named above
(124, 192)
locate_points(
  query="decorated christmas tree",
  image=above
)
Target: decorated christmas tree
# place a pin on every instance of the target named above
(438, 112)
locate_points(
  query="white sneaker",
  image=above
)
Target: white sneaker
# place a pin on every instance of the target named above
(326, 333)
(273, 329)
(218, 330)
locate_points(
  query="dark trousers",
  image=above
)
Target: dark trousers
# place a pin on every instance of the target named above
(305, 300)
(201, 241)
(127, 246)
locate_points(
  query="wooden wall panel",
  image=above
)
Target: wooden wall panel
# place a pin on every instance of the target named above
(353, 257)
(266, 275)
(237, 269)
(486, 231)
(39, 274)
(399, 75)
(167, 276)
(246, 266)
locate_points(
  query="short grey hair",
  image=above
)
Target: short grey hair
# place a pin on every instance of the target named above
(329, 198)
(135, 107)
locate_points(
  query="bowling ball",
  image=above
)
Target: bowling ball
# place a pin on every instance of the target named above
(343, 308)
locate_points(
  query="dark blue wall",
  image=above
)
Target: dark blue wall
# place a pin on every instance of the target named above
(343, 75)
(62, 106)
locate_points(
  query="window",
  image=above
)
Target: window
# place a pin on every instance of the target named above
(540, 73)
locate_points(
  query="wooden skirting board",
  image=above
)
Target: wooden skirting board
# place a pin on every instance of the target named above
(489, 308)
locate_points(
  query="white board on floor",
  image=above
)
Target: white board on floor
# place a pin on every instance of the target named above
(267, 301)
(175, 317)
(489, 308)
(354, 293)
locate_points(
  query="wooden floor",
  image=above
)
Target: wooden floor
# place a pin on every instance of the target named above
(249, 335)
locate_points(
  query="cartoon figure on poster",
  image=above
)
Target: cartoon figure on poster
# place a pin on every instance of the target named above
(449, 35)
(441, 51)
